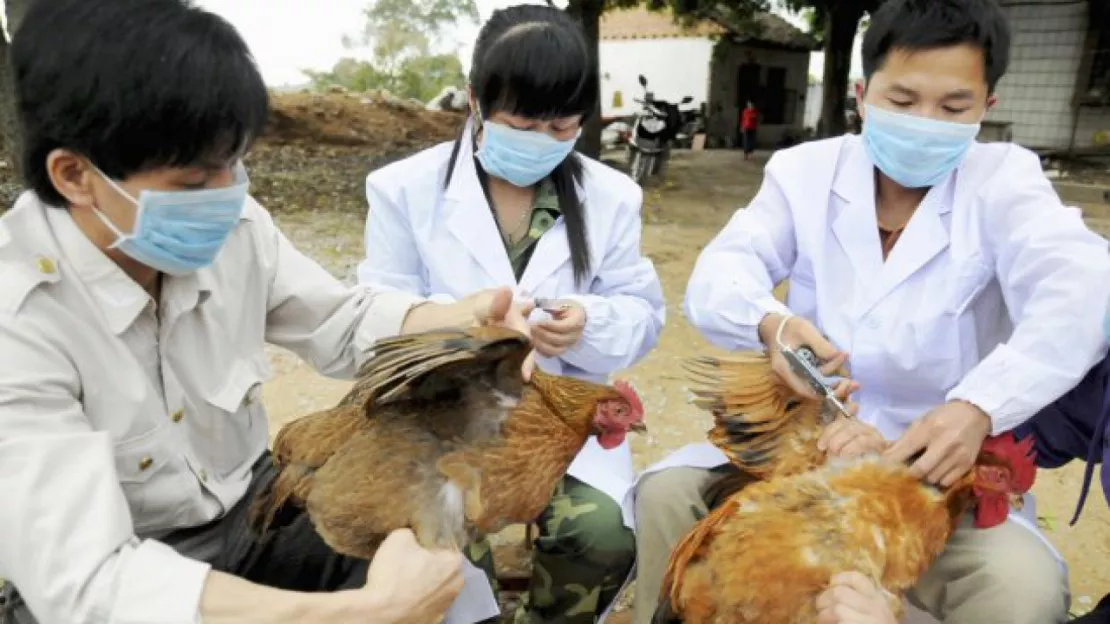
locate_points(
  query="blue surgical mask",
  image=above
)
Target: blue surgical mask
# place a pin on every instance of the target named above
(915, 152)
(179, 232)
(521, 157)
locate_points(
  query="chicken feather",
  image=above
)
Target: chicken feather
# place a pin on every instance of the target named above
(440, 434)
(790, 519)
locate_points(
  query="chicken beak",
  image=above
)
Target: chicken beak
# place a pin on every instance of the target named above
(638, 427)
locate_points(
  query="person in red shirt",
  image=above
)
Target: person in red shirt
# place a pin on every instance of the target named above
(749, 122)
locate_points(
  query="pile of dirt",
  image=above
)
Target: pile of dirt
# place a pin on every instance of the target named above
(377, 120)
(319, 147)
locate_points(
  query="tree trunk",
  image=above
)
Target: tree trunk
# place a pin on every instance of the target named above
(16, 10)
(588, 13)
(841, 26)
(9, 126)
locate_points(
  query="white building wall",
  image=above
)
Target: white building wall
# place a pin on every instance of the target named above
(1036, 93)
(674, 69)
(813, 106)
(724, 110)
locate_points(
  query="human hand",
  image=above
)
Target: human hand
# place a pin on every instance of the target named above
(848, 437)
(797, 332)
(554, 337)
(853, 599)
(407, 584)
(951, 436)
(496, 307)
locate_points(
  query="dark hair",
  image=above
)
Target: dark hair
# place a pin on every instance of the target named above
(133, 85)
(930, 24)
(534, 61)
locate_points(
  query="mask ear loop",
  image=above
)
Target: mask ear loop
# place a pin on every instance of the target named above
(121, 236)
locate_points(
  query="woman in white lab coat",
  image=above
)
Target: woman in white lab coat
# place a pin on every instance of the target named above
(965, 296)
(510, 203)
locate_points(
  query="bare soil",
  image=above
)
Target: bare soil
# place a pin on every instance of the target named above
(681, 214)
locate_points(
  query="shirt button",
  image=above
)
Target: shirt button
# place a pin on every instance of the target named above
(46, 265)
(146, 462)
(177, 416)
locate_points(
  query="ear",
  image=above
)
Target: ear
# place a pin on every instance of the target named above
(72, 176)
(991, 101)
(860, 91)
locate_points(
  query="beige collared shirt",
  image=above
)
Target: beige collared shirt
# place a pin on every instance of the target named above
(122, 418)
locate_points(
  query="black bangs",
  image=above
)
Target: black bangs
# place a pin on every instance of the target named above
(914, 25)
(133, 85)
(533, 61)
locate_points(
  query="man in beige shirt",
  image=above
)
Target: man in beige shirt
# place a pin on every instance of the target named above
(139, 286)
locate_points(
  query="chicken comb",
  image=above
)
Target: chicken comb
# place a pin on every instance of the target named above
(628, 392)
(1019, 456)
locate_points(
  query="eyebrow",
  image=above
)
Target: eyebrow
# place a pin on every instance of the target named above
(958, 94)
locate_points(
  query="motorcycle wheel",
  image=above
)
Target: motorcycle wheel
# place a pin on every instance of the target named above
(659, 163)
(641, 167)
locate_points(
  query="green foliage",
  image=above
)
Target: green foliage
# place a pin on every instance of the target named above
(400, 34)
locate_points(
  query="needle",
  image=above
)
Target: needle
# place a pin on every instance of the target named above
(551, 306)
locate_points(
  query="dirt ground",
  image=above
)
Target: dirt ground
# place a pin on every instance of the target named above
(681, 214)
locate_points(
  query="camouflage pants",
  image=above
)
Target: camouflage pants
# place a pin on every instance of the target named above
(581, 557)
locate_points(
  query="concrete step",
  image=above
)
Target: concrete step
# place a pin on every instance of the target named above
(1099, 224)
(1095, 198)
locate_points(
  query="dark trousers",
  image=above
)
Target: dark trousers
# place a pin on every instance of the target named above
(1100, 615)
(291, 556)
(747, 140)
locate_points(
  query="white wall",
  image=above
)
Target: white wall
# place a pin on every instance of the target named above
(813, 106)
(1036, 93)
(674, 69)
(724, 110)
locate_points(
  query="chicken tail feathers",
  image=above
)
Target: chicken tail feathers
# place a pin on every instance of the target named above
(754, 413)
(433, 365)
(275, 505)
(664, 614)
(721, 489)
(688, 551)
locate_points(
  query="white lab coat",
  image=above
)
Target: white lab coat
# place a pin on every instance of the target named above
(445, 244)
(994, 293)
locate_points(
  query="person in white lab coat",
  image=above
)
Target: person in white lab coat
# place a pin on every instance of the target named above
(140, 284)
(511, 204)
(964, 296)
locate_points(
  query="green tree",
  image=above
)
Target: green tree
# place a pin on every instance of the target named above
(400, 35)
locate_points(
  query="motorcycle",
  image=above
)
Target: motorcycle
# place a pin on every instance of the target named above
(654, 128)
(692, 122)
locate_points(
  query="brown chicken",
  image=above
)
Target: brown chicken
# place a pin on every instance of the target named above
(441, 435)
(766, 553)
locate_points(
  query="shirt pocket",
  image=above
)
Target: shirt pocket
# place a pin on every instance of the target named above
(972, 276)
(239, 420)
(943, 330)
(150, 474)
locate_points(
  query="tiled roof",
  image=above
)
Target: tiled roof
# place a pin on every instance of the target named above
(640, 23)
